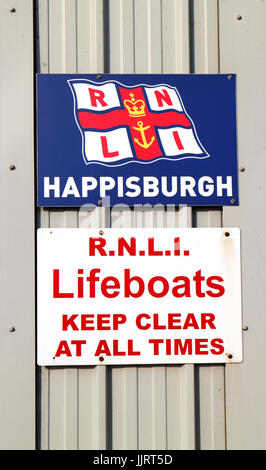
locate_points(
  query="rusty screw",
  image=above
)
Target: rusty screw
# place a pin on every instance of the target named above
(227, 234)
(99, 77)
(100, 202)
(101, 359)
(229, 355)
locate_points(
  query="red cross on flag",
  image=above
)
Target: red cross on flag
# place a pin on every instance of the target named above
(121, 124)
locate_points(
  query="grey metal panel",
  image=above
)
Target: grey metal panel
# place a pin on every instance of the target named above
(121, 36)
(17, 365)
(124, 408)
(155, 406)
(205, 36)
(72, 402)
(172, 407)
(175, 36)
(209, 379)
(90, 35)
(242, 49)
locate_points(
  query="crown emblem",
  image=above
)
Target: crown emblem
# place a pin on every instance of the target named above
(136, 108)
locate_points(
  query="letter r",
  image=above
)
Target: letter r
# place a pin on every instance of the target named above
(97, 95)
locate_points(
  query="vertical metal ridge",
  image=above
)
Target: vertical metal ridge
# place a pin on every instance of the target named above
(77, 409)
(70, 398)
(134, 35)
(218, 37)
(76, 36)
(149, 64)
(161, 38)
(109, 408)
(191, 37)
(47, 33)
(64, 67)
(122, 36)
(187, 407)
(101, 409)
(175, 36)
(197, 409)
(106, 36)
(204, 59)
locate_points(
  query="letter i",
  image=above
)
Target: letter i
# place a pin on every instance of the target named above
(80, 284)
(168, 347)
(178, 140)
(177, 246)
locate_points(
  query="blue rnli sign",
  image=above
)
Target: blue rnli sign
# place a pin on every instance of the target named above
(136, 139)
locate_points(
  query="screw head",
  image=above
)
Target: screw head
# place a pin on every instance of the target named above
(233, 201)
(239, 17)
(99, 77)
(242, 168)
(12, 167)
(100, 202)
(101, 232)
(12, 10)
(11, 329)
(229, 355)
(230, 77)
(227, 234)
(101, 358)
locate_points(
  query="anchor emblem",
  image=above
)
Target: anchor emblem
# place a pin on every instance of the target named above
(142, 130)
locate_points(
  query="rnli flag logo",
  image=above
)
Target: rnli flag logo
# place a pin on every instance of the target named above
(144, 123)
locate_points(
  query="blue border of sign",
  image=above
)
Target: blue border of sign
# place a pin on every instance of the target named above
(66, 180)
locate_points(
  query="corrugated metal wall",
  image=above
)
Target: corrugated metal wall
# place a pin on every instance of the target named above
(130, 407)
(172, 407)
(141, 407)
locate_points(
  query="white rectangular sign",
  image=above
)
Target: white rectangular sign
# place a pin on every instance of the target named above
(139, 296)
